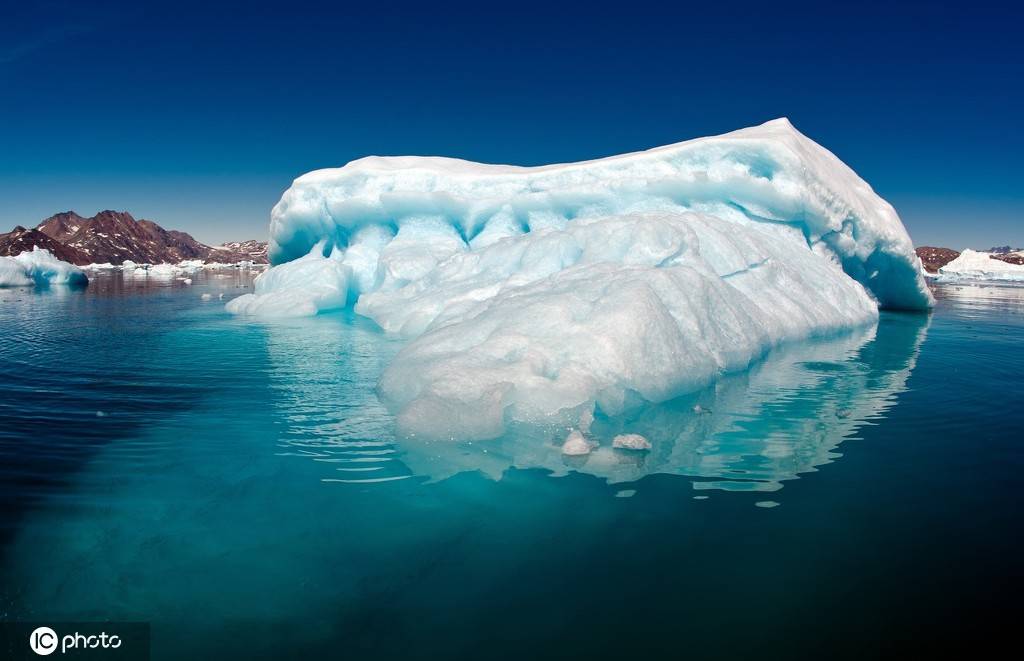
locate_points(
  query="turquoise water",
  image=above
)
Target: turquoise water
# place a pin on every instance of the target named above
(238, 485)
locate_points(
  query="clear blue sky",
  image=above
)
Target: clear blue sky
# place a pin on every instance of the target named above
(199, 115)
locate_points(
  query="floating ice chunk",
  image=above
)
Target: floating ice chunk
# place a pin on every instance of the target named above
(39, 268)
(576, 444)
(631, 442)
(164, 271)
(303, 287)
(206, 297)
(974, 265)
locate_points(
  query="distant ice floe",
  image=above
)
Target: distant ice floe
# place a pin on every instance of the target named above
(975, 265)
(541, 295)
(39, 268)
(181, 271)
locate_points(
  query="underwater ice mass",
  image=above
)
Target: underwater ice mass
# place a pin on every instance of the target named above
(546, 294)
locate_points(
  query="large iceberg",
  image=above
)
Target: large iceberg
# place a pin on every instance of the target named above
(39, 268)
(540, 294)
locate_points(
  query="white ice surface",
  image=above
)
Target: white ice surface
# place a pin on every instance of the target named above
(302, 287)
(974, 265)
(39, 268)
(768, 174)
(538, 294)
(609, 311)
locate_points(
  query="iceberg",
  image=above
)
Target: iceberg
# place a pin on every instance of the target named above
(39, 268)
(546, 294)
(301, 287)
(975, 265)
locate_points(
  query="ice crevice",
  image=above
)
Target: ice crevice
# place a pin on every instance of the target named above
(536, 294)
(746, 269)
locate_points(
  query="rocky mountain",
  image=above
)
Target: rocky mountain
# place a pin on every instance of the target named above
(239, 251)
(21, 240)
(1010, 257)
(935, 258)
(115, 236)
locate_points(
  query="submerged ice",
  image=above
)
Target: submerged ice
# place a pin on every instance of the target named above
(543, 294)
(748, 431)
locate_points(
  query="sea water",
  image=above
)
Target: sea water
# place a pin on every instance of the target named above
(238, 486)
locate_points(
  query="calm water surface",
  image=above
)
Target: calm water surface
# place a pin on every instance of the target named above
(239, 486)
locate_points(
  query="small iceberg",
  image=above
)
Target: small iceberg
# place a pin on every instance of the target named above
(39, 268)
(975, 265)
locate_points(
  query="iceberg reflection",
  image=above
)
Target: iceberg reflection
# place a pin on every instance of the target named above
(750, 431)
(980, 297)
(747, 432)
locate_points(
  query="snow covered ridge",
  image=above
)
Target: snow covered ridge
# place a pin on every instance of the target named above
(974, 265)
(39, 268)
(542, 294)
